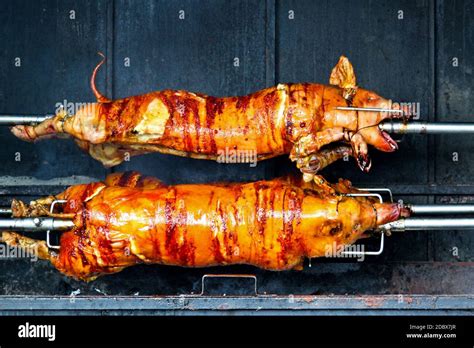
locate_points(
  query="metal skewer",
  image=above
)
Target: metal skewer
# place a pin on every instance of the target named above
(36, 224)
(440, 209)
(11, 120)
(5, 211)
(387, 126)
(428, 224)
(426, 128)
(421, 209)
(353, 108)
(414, 127)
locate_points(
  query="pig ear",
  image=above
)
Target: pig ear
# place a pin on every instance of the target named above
(342, 75)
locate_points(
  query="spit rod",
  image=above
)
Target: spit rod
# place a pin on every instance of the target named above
(426, 128)
(421, 209)
(11, 120)
(440, 209)
(352, 108)
(5, 211)
(36, 224)
(428, 224)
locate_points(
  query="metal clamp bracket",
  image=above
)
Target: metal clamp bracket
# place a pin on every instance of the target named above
(371, 192)
(239, 276)
(48, 232)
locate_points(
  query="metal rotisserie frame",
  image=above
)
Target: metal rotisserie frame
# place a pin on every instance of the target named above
(407, 56)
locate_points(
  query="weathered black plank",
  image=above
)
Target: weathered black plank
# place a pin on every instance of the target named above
(454, 246)
(390, 56)
(57, 56)
(455, 81)
(454, 154)
(196, 53)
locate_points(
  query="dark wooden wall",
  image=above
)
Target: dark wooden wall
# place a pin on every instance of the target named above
(409, 59)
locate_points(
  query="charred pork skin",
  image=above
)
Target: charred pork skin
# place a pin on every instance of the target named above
(299, 119)
(129, 219)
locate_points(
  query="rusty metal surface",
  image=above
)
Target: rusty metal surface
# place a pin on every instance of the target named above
(259, 305)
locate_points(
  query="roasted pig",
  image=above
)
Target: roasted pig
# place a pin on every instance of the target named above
(299, 119)
(129, 219)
